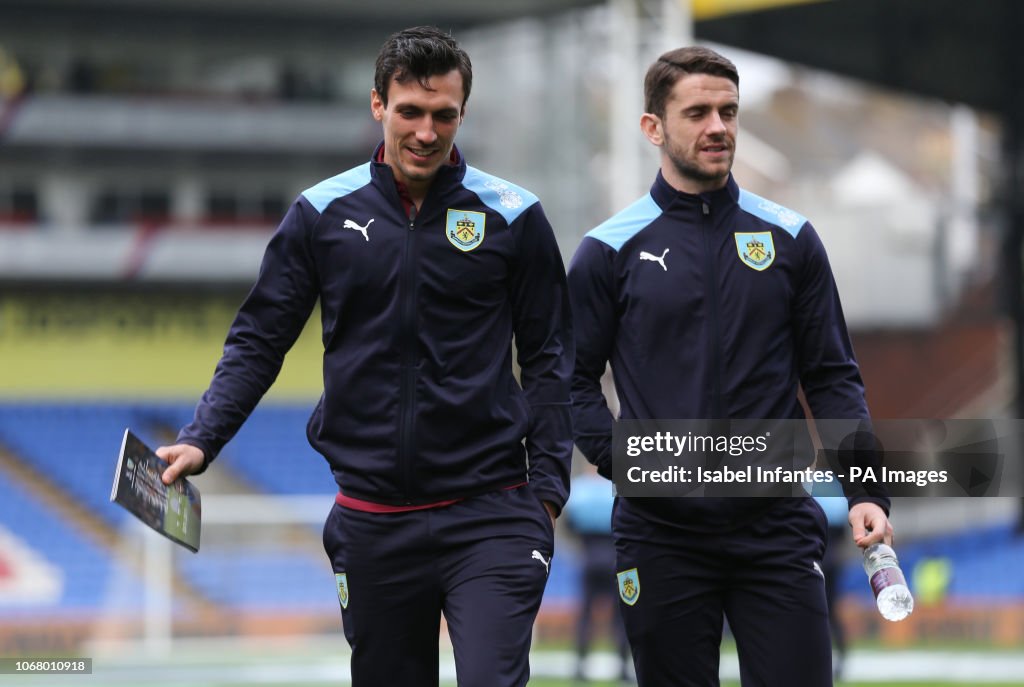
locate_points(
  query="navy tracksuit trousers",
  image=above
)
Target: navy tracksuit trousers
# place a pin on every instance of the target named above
(764, 576)
(482, 562)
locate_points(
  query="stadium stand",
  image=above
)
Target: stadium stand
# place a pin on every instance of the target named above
(983, 562)
(89, 578)
(264, 580)
(271, 452)
(73, 445)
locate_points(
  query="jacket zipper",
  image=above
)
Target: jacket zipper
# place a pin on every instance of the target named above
(711, 284)
(406, 442)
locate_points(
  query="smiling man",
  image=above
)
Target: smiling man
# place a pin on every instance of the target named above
(449, 472)
(713, 303)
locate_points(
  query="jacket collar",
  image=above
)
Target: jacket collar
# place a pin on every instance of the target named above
(455, 170)
(665, 195)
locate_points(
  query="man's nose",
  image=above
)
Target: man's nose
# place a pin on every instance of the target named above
(715, 124)
(426, 132)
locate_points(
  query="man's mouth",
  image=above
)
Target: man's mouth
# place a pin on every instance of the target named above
(421, 153)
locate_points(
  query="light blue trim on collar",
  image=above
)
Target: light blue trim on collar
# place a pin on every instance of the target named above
(321, 195)
(772, 212)
(621, 227)
(504, 197)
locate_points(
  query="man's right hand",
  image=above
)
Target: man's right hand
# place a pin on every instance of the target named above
(184, 460)
(870, 525)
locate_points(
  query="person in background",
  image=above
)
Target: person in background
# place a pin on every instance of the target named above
(450, 473)
(836, 510)
(589, 516)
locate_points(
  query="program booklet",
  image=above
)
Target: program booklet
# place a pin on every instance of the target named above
(174, 511)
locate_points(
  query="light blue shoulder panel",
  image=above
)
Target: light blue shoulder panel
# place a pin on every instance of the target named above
(321, 195)
(772, 212)
(623, 226)
(504, 197)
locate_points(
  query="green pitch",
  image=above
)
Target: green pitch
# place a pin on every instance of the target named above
(570, 683)
(319, 662)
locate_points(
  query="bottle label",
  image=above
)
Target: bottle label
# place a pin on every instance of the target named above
(885, 578)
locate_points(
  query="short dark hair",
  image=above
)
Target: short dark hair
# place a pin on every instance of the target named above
(420, 53)
(675, 64)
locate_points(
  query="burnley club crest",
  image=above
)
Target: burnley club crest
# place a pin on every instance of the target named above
(756, 249)
(465, 229)
(629, 586)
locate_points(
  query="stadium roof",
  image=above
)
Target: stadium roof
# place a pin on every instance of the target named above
(950, 49)
(350, 18)
(959, 51)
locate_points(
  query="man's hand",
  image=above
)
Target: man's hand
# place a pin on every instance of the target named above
(184, 460)
(870, 525)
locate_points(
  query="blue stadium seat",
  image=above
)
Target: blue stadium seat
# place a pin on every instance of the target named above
(984, 563)
(92, 581)
(272, 453)
(74, 445)
(263, 580)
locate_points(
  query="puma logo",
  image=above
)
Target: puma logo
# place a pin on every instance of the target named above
(644, 255)
(547, 563)
(349, 224)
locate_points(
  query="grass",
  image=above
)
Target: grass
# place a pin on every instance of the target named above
(313, 664)
(570, 683)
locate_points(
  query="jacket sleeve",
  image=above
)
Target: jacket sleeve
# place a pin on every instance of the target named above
(828, 370)
(544, 350)
(592, 294)
(265, 328)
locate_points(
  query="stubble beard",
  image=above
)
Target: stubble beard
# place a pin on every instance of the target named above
(691, 170)
(694, 172)
(413, 172)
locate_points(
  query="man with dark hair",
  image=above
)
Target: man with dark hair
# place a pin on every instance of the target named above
(712, 303)
(417, 54)
(425, 269)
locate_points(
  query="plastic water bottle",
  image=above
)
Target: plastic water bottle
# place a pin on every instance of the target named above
(887, 582)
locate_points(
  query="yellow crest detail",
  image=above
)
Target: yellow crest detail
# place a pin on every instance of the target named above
(465, 229)
(629, 586)
(342, 580)
(756, 249)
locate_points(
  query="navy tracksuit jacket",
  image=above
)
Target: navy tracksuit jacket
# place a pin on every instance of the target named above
(712, 306)
(420, 404)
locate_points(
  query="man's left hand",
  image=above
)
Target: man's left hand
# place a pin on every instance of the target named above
(551, 512)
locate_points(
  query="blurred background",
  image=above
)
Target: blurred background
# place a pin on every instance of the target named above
(148, 149)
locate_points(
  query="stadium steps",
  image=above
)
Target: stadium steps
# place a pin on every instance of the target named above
(81, 518)
(238, 470)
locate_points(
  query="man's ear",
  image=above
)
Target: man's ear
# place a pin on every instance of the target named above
(651, 127)
(376, 105)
